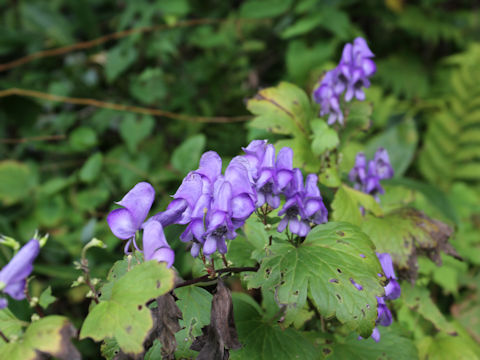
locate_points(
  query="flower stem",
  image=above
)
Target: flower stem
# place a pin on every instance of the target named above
(2, 335)
(231, 270)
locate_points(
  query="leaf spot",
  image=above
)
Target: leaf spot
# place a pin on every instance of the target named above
(158, 284)
(326, 351)
(334, 281)
(128, 329)
(140, 307)
(338, 297)
(362, 256)
(340, 233)
(339, 271)
(357, 285)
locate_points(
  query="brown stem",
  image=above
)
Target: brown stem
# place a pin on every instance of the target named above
(207, 277)
(2, 335)
(224, 259)
(86, 272)
(38, 308)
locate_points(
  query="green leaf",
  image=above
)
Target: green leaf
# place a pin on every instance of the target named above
(9, 325)
(83, 138)
(124, 316)
(302, 58)
(418, 299)
(257, 9)
(324, 137)
(92, 167)
(302, 26)
(195, 304)
(326, 266)
(445, 347)
(263, 339)
(50, 335)
(284, 109)
(150, 86)
(16, 181)
(46, 298)
(186, 156)
(134, 129)
(347, 202)
(119, 59)
(409, 231)
(392, 346)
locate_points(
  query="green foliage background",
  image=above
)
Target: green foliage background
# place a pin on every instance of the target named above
(426, 112)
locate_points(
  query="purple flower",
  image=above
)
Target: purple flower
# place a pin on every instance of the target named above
(392, 292)
(13, 275)
(366, 176)
(351, 75)
(155, 246)
(327, 95)
(125, 222)
(273, 176)
(304, 204)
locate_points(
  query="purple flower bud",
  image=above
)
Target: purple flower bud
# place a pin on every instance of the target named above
(13, 275)
(155, 246)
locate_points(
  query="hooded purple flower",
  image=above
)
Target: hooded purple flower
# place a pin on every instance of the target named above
(125, 222)
(351, 75)
(367, 178)
(269, 177)
(303, 205)
(13, 275)
(155, 246)
(392, 292)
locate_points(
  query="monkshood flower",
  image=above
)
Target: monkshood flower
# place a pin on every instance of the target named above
(125, 222)
(303, 205)
(392, 292)
(155, 246)
(350, 76)
(366, 176)
(268, 175)
(136, 204)
(13, 276)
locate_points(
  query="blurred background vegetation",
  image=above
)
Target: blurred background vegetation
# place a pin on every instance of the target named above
(64, 164)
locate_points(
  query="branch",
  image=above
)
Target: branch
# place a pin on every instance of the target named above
(120, 107)
(231, 270)
(113, 36)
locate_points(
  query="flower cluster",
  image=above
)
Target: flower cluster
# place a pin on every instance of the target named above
(350, 76)
(392, 292)
(215, 205)
(13, 276)
(366, 177)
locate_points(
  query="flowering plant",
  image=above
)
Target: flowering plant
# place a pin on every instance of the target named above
(299, 224)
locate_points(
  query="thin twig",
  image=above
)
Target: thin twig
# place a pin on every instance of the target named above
(207, 277)
(121, 107)
(101, 40)
(33, 138)
(37, 307)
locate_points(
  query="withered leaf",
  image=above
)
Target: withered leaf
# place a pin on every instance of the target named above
(221, 335)
(166, 316)
(406, 233)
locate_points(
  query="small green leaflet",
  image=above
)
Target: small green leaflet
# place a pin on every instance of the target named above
(9, 325)
(46, 298)
(195, 303)
(124, 316)
(326, 266)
